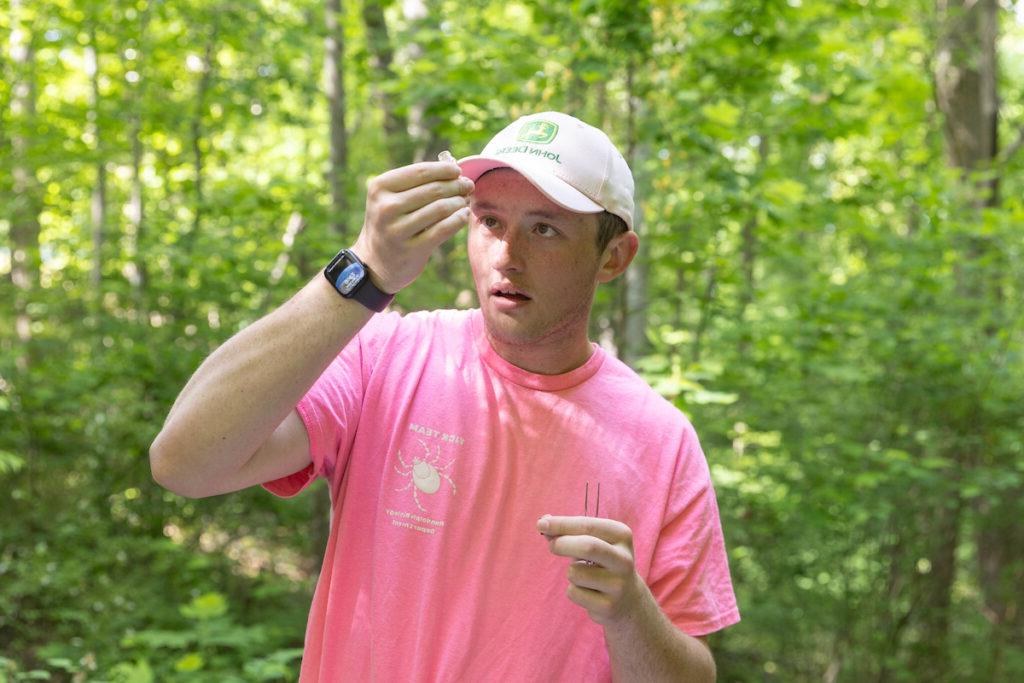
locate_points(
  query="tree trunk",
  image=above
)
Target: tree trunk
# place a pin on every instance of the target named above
(422, 126)
(749, 237)
(930, 655)
(334, 73)
(893, 624)
(136, 271)
(296, 224)
(1000, 539)
(425, 140)
(576, 89)
(136, 213)
(706, 301)
(634, 339)
(334, 62)
(199, 198)
(26, 204)
(99, 190)
(378, 44)
(966, 91)
(680, 295)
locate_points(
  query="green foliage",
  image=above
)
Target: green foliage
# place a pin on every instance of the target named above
(207, 647)
(9, 462)
(824, 300)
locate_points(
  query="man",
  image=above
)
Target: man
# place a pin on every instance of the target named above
(449, 439)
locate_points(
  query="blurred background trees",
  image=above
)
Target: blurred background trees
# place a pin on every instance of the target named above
(830, 287)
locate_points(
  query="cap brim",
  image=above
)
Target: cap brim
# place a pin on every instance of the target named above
(551, 186)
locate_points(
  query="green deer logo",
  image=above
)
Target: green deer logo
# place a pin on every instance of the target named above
(539, 132)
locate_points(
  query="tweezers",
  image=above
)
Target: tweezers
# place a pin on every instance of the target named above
(586, 501)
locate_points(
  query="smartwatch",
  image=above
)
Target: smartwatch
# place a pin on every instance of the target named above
(351, 278)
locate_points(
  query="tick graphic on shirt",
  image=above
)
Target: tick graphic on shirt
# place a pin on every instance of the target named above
(425, 474)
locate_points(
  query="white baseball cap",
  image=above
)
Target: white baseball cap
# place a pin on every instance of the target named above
(574, 164)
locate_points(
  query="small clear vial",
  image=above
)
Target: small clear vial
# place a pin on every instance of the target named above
(446, 156)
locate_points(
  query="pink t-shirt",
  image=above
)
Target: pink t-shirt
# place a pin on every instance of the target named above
(440, 457)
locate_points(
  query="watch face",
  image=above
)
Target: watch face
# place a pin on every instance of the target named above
(350, 278)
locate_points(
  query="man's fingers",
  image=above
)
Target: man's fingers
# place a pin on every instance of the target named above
(592, 576)
(445, 228)
(610, 530)
(429, 215)
(611, 557)
(414, 175)
(587, 548)
(416, 198)
(598, 604)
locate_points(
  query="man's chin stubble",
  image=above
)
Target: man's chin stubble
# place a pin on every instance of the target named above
(550, 336)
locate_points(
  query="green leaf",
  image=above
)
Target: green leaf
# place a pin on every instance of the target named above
(722, 112)
(206, 606)
(703, 396)
(132, 672)
(10, 462)
(61, 663)
(157, 638)
(190, 662)
(784, 193)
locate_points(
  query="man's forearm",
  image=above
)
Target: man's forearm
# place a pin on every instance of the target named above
(646, 646)
(245, 388)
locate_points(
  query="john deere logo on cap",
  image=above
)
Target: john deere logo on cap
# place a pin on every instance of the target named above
(540, 132)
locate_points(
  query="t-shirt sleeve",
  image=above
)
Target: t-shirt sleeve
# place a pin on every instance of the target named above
(330, 409)
(689, 574)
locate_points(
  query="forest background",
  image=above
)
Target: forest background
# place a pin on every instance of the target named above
(830, 287)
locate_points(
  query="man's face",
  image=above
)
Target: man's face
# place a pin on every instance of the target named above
(534, 263)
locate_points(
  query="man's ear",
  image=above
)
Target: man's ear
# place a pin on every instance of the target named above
(618, 255)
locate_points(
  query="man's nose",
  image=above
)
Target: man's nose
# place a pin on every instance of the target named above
(507, 252)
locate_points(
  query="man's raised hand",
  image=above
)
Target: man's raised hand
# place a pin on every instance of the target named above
(409, 212)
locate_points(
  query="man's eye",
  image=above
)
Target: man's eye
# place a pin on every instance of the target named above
(489, 222)
(545, 230)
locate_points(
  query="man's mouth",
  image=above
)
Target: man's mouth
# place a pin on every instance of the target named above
(509, 292)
